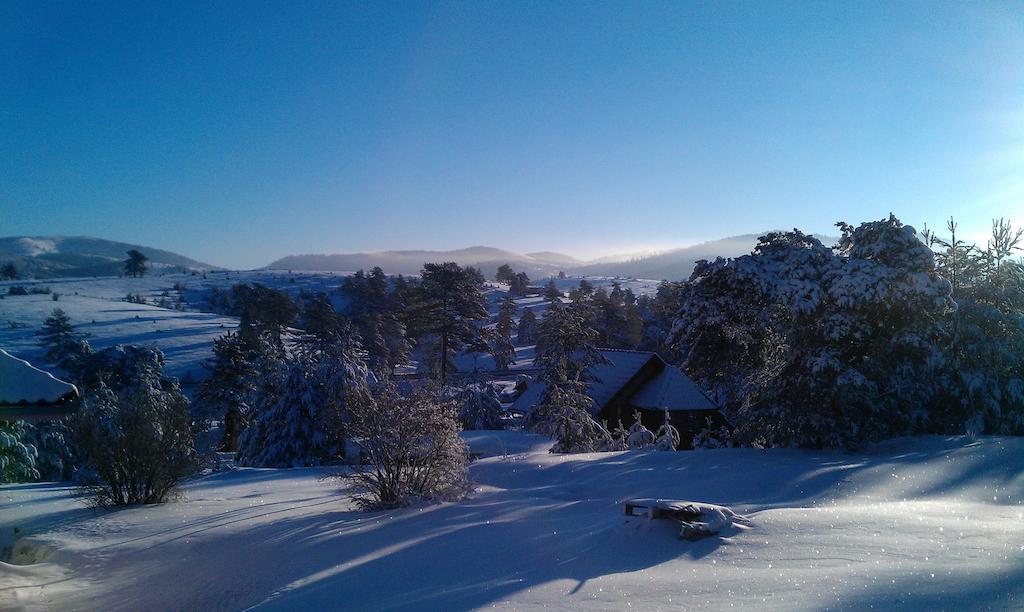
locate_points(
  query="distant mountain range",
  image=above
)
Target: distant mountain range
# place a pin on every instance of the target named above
(67, 256)
(675, 264)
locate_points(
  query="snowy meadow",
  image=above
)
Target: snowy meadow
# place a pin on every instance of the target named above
(287, 440)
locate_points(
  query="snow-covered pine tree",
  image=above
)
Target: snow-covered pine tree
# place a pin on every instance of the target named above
(639, 437)
(504, 351)
(55, 452)
(570, 424)
(455, 310)
(64, 346)
(813, 347)
(240, 370)
(982, 388)
(551, 291)
(289, 433)
(526, 332)
(618, 438)
(480, 407)
(667, 437)
(17, 455)
(566, 355)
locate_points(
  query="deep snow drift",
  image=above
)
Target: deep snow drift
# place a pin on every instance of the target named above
(925, 522)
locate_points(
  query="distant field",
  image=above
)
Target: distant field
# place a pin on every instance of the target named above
(97, 307)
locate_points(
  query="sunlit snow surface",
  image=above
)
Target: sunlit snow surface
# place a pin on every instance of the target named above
(918, 523)
(96, 306)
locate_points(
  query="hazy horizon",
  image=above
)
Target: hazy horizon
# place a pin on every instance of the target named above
(240, 133)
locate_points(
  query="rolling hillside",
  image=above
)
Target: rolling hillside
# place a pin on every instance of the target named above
(75, 256)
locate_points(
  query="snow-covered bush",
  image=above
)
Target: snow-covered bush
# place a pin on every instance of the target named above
(480, 407)
(412, 447)
(617, 441)
(710, 437)
(17, 456)
(667, 437)
(639, 437)
(134, 443)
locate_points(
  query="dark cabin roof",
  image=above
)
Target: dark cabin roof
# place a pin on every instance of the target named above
(664, 388)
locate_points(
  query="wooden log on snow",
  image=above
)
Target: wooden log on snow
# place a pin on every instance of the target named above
(696, 519)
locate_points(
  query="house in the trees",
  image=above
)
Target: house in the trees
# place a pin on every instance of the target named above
(26, 392)
(641, 381)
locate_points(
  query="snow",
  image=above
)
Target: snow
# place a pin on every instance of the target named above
(928, 522)
(96, 306)
(20, 382)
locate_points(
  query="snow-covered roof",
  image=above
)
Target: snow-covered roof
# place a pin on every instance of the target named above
(22, 383)
(669, 389)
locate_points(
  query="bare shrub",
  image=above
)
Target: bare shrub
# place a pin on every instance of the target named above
(412, 449)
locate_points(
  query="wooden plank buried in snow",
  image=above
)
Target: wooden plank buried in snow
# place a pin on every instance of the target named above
(696, 519)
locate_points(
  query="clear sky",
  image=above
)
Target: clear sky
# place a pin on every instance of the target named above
(236, 133)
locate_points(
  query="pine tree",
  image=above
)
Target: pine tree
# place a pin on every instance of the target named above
(376, 310)
(639, 437)
(8, 272)
(796, 326)
(505, 274)
(667, 437)
(527, 329)
(566, 355)
(17, 455)
(551, 291)
(480, 407)
(238, 373)
(504, 351)
(568, 421)
(290, 432)
(455, 309)
(64, 346)
(518, 284)
(55, 452)
(135, 265)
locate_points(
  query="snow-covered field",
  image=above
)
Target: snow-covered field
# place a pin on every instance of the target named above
(916, 523)
(96, 306)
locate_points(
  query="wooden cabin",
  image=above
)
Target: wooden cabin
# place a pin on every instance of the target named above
(641, 381)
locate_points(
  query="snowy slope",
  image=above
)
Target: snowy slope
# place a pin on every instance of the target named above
(914, 523)
(96, 306)
(56, 256)
(186, 338)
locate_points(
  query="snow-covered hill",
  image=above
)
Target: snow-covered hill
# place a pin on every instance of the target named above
(915, 523)
(96, 306)
(71, 256)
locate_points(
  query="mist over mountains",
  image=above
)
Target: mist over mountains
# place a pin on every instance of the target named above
(45, 257)
(674, 264)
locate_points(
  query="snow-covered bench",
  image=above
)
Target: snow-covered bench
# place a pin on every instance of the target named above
(696, 519)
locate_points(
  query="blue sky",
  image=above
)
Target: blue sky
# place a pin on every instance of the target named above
(239, 132)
